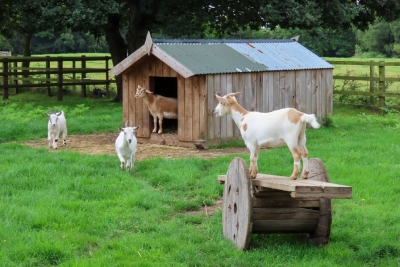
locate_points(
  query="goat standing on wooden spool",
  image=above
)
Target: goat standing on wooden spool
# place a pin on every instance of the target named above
(273, 129)
(159, 106)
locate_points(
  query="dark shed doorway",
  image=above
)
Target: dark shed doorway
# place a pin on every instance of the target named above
(168, 87)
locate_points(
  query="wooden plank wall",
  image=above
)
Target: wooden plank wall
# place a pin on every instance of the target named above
(309, 91)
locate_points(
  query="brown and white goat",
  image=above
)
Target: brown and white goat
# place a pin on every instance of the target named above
(159, 106)
(273, 129)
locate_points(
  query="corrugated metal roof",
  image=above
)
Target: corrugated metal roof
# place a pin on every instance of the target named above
(227, 56)
(211, 58)
(281, 56)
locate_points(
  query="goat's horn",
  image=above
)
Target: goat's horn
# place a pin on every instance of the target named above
(130, 123)
(233, 94)
(126, 124)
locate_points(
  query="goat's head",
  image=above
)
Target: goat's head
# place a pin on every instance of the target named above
(53, 117)
(129, 132)
(225, 102)
(141, 92)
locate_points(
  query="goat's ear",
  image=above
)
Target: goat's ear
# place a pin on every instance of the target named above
(59, 113)
(48, 115)
(121, 129)
(149, 92)
(136, 128)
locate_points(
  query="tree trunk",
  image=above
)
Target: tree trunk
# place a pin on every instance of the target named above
(139, 24)
(117, 48)
(26, 53)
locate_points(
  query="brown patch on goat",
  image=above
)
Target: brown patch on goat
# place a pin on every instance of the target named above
(235, 105)
(245, 127)
(294, 116)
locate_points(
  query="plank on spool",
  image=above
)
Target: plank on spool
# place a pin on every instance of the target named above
(276, 204)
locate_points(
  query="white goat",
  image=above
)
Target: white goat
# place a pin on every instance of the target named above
(273, 129)
(159, 106)
(125, 146)
(57, 123)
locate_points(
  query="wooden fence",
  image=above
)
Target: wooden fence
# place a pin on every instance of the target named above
(378, 84)
(57, 72)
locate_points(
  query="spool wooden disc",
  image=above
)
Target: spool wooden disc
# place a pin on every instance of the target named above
(237, 209)
(322, 233)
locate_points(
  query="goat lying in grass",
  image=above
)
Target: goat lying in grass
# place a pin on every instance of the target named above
(273, 129)
(159, 106)
(57, 123)
(125, 146)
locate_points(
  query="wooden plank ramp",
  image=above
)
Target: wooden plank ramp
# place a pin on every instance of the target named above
(300, 188)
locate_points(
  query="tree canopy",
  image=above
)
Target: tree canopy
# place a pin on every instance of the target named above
(125, 23)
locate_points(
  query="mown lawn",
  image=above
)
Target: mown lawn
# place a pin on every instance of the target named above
(62, 208)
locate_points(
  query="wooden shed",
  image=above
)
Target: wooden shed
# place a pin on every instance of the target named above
(271, 74)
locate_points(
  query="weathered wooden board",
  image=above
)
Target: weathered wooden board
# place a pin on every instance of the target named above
(300, 188)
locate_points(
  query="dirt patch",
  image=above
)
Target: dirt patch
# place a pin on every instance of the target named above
(100, 144)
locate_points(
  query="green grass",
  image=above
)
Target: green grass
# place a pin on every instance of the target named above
(23, 116)
(62, 208)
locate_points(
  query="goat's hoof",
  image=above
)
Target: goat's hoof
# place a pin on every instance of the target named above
(293, 178)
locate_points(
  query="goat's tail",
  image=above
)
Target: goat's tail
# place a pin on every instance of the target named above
(311, 119)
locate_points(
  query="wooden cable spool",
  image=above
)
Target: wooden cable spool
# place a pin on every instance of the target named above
(276, 204)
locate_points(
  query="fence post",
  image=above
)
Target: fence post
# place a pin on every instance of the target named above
(372, 82)
(107, 78)
(60, 78)
(48, 75)
(5, 79)
(83, 66)
(74, 74)
(382, 86)
(15, 66)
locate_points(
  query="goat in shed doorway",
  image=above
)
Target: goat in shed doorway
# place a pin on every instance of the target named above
(159, 106)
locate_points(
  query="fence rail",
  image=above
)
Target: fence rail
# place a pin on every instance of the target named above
(381, 80)
(58, 72)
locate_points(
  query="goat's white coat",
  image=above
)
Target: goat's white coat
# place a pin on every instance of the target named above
(56, 124)
(125, 146)
(273, 129)
(159, 106)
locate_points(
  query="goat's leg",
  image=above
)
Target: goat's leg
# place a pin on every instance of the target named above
(155, 123)
(63, 136)
(304, 157)
(50, 139)
(160, 120)
(296, 166)
(253, 160)
(132, 161)
(128, 165)
(122, 160)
